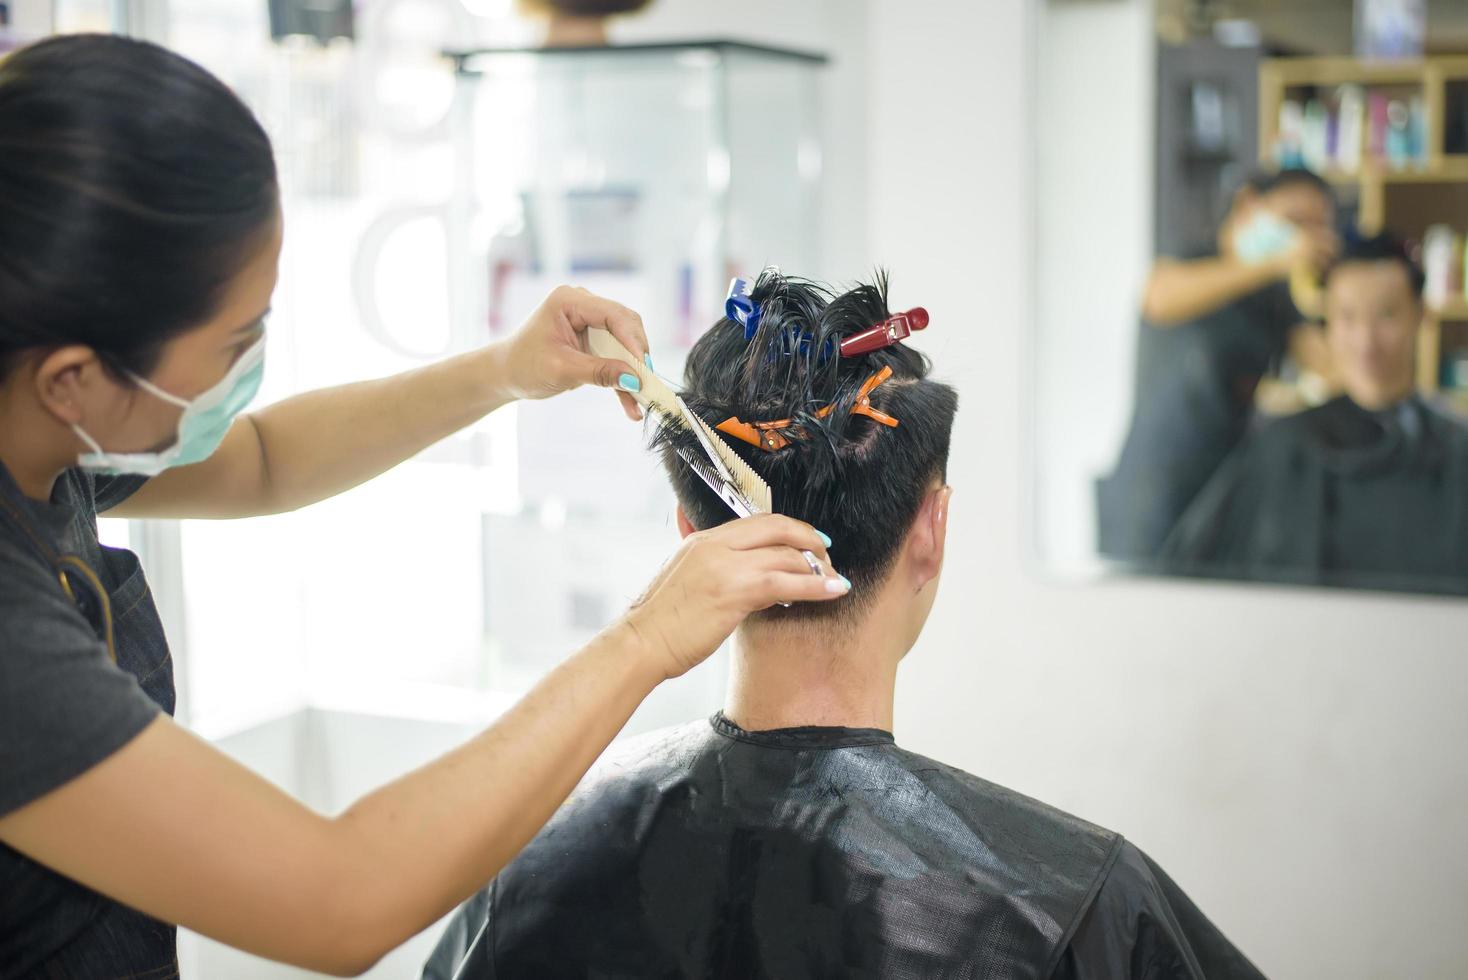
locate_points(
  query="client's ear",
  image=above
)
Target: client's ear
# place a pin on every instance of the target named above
(685, 526)
(929, 536)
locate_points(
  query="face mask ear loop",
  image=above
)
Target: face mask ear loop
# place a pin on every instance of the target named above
(92, 444)
(157, 392)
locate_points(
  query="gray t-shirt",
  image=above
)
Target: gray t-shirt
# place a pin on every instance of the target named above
(1194, 399)
(65, 705)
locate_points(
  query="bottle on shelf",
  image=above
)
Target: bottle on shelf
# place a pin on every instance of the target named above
(1315, 136)
(1441, 265)
(1350, 126)
(1398, 135)
(1287, 148)
(1417, 131)
(1377, 107)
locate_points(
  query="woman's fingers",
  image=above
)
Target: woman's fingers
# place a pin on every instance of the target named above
(775, 587)
(586, 369)
(779, 558)
(630, 406)
(765, 530)
(785, 574)
(721, 575)
(767, 551)
(585, 310)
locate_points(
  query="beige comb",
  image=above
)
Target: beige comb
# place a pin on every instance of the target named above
(657, 395)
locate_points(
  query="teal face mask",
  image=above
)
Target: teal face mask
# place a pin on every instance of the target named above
(1265, 236)
(201, 427)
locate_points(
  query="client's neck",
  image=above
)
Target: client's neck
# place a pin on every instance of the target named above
(1381, 399)
(825, 673)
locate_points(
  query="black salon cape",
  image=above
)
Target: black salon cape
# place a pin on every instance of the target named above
(706, 851)
(1338, 496)
(1192, 405)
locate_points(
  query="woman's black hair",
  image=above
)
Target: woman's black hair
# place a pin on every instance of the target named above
(1272, 180)
(586, 8)
(859, 481)
(1261, 182)
(133, 188)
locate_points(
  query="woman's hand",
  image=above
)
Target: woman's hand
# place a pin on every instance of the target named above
(321, 443)
(720, 576)
(169, 825)
(1313, 249)
(549, 353)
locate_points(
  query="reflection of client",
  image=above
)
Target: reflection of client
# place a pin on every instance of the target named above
(1212, 327)
(1370, 489)
(789, 836)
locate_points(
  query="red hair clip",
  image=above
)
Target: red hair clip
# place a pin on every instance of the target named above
(897, 327)
(767, 435)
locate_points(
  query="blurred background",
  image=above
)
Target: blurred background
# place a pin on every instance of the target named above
(1294, 755)
(1191, 210)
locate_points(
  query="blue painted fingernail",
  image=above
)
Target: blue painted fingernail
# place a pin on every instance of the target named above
(840, 584)
(825, 538)
(647, 359)
(629, 382)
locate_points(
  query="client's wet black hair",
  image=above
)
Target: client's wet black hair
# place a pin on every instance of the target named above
(858, 480)
(1383, 247)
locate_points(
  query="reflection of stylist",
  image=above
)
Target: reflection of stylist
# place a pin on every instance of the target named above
(1212, 326)
(139, 236)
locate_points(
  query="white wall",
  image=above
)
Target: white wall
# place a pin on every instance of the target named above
(1295, 759)
(1096, 88)
(30, 18)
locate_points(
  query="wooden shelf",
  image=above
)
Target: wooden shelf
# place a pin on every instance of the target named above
(1302, 72)
(1453, 66)
(1297, 72)
(1377, 204)
(1342, 178)
(1453, 309)
(1452, 170)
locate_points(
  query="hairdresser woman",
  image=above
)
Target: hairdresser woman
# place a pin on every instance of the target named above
(139, 234)
(1213, 325)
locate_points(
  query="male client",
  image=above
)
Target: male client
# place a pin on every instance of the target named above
(789, 836)
(1368, 490)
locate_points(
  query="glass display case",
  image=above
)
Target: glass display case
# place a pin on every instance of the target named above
(654, 174)
(431, 203)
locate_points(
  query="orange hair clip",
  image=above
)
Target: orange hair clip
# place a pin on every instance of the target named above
(767, 435)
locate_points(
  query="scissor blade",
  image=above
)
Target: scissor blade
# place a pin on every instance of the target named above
(716, 483)
(703, 440)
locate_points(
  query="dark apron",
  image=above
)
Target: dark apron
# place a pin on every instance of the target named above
(81, 935)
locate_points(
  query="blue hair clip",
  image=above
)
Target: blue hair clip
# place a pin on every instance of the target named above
(740, 306)
(801, 344)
